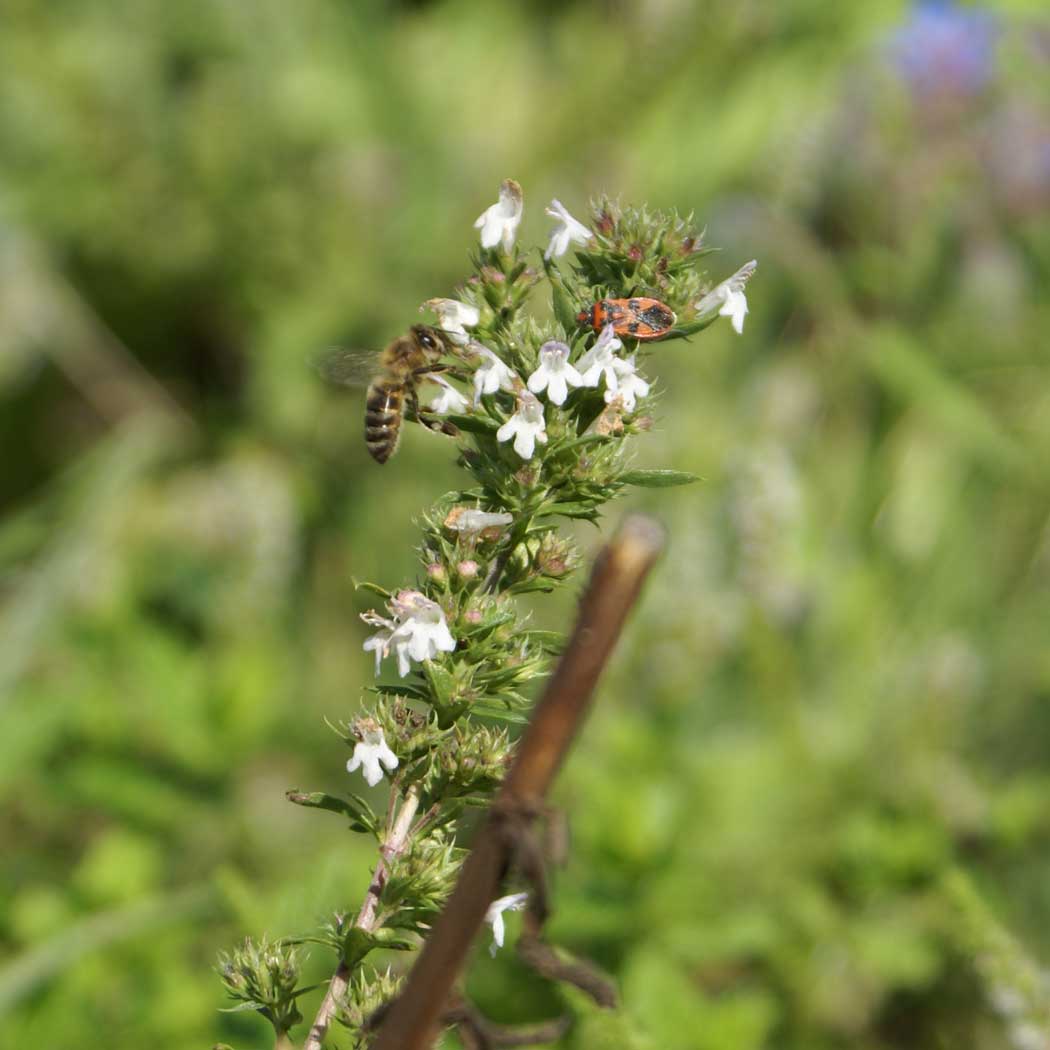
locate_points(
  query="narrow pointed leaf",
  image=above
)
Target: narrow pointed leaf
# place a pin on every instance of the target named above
(658, 479)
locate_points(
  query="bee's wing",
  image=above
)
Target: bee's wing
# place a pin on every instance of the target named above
(345, 367)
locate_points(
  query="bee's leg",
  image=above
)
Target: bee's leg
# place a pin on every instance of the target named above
(431, 422)
(449, 370)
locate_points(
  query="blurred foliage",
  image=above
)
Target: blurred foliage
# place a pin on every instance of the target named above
(831, 704)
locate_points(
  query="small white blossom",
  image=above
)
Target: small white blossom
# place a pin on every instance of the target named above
(418, 631)
(494, 916)
(379, 643)
(555, 374)
(454, 317)
(729, 297)
(449, 400)
(600, 358)
(491, 375)
(630, 384)
(526, 426)
(568, 229)
(500, 222)
(370, 753)
(468, 520)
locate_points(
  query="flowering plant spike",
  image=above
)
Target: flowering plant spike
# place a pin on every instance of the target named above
(545, 411)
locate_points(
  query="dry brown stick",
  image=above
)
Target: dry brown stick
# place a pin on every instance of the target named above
(615, 583)
(475, 1029)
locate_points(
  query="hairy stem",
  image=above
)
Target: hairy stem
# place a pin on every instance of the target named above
(366, 917)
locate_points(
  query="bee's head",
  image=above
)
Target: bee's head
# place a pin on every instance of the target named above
(430, 339)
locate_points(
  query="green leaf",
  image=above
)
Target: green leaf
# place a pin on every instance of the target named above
(364, 585)
(475, 424)
(355, 808)
(387, 938)
(307, 988)
(487, 709)
(540, 585)
(410, 692)
(441, 682)
(684, 331)
(357, 943)
(658, 479)
(241, 1007)
(577, 442)
(477, 801)
(549, 640)
(586, 511)
(565, 308)
(487, 626)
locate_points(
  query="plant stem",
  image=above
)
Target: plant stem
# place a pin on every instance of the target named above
(366, 917)
(615, 584)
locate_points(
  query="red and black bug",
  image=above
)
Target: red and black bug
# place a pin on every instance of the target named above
(635, 318)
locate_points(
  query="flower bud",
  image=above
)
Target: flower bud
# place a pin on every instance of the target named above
(555, 557)
(467, 569)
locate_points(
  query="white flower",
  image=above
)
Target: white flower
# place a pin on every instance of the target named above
(729, 296)
(568, 229)
(526, 426)
(494, 916)
(491, 375)
(449, 400)
(600, 358)
(370, 752)
(454, 317)
(379, 643)
(500, 222)
(630, 384)
(555, 374)
(417, 632)
(467, 520)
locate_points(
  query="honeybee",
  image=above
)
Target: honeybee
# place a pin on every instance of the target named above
(396, 373)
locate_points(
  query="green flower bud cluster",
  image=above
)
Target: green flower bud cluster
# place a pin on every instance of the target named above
(264, 977)
(367, 992)
(651, 253)
(420, 879)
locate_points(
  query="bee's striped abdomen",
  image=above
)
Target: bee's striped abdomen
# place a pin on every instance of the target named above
(383, 411)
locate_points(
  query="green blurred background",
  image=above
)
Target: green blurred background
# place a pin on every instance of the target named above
(812, 808)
